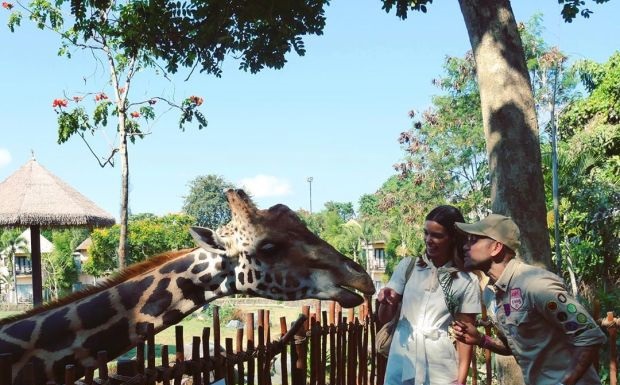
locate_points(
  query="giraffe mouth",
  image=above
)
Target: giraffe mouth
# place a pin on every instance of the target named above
(348, 296)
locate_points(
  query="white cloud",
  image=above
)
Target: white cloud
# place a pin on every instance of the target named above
(265, 186)
(5, 157)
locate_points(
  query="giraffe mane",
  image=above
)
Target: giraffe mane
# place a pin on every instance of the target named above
(121, 276)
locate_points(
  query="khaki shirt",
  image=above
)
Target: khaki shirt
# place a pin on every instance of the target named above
(541, 322)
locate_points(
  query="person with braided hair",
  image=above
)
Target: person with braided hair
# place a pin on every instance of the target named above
(437, 293)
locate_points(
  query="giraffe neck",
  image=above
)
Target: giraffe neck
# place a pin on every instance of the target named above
(114, 318)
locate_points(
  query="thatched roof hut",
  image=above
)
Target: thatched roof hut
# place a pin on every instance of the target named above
(35, 197)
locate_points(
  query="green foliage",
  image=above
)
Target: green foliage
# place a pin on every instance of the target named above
(602, 106)
(206, 201)
(149, 235)
(570, 8)
(330, 225)
(343, 209)
(589, 176)
(59, 266)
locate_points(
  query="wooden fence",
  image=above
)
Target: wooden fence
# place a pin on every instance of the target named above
(320, 348)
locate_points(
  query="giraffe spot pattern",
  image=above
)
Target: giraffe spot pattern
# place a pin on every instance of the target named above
(291, 282)
(21, 330)
(172, 317)
(202, 256)
(240, 278)
(279, 278)
(206, 278)
(115, 339)
(59, 368)
(61, 336)
(159, 301)
(130, 292)
(96, 311)
(191, 291)
(178, 266)
(250, 277)
(200, 267)
(36, 373)
(16, 351)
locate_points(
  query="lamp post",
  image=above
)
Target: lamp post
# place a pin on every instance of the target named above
(310, 184)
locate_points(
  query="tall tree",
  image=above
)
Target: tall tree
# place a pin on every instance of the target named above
(206, 201)
(105, 30)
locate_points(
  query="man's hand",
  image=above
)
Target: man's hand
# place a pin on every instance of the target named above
(466, 333)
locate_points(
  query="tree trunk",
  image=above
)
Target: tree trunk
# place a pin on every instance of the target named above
(123, 241)
(510, 125)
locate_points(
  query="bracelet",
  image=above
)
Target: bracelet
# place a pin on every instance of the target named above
(485, 342)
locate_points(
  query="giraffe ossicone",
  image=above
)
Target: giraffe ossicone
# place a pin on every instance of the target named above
(265, 253)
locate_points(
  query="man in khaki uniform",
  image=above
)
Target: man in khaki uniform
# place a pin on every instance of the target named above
(552, 336)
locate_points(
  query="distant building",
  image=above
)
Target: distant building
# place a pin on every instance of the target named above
(23, 270)
(80, 256)
(375, 262)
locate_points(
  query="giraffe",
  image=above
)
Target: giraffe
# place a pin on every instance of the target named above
(266, 253)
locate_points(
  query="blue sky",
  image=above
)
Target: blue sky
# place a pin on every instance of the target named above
(334, 114)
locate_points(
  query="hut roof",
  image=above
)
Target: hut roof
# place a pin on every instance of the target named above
(34, 196)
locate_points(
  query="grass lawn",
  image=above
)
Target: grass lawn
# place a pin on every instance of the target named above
(4, 314)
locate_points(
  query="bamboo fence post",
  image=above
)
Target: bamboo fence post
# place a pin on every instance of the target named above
(165, 363)
(179, 355)
(249, 324)
(315, 351)
(69, 374)
(230, 363)
(268, 348)
(102, 364)
(196, 360)
(351, 351)
(239, 353)
(260, 362)
(151, 372)
(341, 351)
(140, 356)
(217, 356)
(333, 350)
(206, 355)
(283, 355)
(324, 330)
(298, 368)
(332, 312)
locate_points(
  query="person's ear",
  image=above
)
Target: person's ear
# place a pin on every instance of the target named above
(497, 248)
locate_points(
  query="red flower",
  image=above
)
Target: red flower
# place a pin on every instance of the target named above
(135, 114)
(100, 96)
(197, 100)
(121, 90)
(59, 103)
(6, 5)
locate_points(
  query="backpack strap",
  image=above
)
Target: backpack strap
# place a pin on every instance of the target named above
(409, 269)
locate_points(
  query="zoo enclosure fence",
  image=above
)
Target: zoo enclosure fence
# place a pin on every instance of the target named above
(320, 348)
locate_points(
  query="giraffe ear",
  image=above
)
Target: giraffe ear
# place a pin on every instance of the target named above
(207, 239)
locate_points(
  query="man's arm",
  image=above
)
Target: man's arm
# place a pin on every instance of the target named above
(582, 358)
(468, 334)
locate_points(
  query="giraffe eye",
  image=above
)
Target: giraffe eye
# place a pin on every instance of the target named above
(267, 247)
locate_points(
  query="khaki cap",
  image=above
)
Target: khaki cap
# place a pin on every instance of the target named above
(500, 228)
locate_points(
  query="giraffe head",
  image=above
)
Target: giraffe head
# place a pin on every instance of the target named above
(275, 256)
